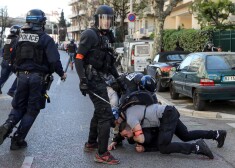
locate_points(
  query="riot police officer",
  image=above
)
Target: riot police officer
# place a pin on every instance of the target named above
(35, 56)
(7, 62)
(94, 61)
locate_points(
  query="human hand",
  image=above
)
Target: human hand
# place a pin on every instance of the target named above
(112, 146)
(139, 148)
(63, 78)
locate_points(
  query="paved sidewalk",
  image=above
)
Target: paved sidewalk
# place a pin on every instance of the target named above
(195, 113)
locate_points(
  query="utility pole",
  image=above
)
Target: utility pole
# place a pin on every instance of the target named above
(131, 6)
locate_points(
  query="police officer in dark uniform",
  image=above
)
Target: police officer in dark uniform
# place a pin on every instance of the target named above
(132, 82)
(36, 55)
(94, 61)
(7, 62)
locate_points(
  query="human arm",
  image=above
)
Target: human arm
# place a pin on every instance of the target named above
(53, 57)
(86, 43)
(138, 134)
(117, 139)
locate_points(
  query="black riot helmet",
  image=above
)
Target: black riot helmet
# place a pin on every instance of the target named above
(35, 19)
(148, 83)
(104, 17)
(15, 30)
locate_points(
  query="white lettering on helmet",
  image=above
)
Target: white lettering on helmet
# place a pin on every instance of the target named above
(29, 37)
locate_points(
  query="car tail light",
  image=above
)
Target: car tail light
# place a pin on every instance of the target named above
(166, 69)
(207, 82)
(132, 56)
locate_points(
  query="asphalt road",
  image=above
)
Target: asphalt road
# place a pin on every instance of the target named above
(58, 135)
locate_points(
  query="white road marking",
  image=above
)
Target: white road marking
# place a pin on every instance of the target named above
(6, 97)
(27, 162)
(231, 124)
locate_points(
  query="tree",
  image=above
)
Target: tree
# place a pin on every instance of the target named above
(121, 10)
(161, 11)
(62, 27)
(213, 13)
(4, 22)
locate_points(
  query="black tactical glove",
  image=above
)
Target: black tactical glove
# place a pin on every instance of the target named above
(84, 86)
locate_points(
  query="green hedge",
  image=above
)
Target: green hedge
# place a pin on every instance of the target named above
(190, 39)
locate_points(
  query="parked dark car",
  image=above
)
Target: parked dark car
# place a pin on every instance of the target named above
(205, 76)
(161, 67)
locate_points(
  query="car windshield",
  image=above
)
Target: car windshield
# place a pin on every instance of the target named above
(220, 62)
(176, 57)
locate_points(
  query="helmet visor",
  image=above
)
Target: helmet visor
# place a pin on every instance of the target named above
(105, 21)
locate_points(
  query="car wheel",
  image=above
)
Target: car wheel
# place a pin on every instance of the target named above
(160, 88)
(197, 102)
(173, 94)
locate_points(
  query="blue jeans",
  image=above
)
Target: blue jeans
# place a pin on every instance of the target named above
(5, 72)
(71, 57)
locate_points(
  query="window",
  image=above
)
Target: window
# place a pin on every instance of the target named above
(185, 64)
(195, 63)
(176, 57)
(220, 62)
(156, 59)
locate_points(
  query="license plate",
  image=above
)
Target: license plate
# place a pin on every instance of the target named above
(228, 78)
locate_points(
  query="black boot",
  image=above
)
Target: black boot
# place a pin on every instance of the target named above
(17, 142)
(220, 138)
(5, 131)
(203, 149)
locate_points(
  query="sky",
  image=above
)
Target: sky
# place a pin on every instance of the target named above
(21, 7)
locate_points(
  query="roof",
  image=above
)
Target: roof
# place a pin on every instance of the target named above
(173, 52)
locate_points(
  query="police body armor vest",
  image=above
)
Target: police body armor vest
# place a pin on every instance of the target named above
(71, 48)
(7, 48)
(28, 48)
(99, 57)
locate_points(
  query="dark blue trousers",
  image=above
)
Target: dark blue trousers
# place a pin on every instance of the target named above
(27, 102)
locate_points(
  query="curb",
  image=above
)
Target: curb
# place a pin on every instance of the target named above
(197, 114)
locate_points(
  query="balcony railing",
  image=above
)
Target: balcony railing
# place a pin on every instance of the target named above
(75, 28)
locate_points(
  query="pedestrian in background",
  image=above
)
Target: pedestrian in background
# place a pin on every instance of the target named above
(71, 49)
(36, 56)
(94, 62)
(178, 47)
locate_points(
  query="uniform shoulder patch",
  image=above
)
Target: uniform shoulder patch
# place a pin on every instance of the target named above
(131, 76)
(29, 37)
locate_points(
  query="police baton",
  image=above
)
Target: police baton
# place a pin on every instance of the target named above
(101, 98)
(67, 65)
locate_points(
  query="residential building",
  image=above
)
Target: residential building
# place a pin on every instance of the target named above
(180, 17)
(82, 16)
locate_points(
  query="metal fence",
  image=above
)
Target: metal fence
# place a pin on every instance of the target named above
(225, 39)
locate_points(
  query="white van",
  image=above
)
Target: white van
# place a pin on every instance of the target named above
(137, 55)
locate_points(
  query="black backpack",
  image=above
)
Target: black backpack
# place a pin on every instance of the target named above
(137, 98)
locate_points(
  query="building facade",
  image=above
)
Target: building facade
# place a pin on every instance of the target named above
(142, 27)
